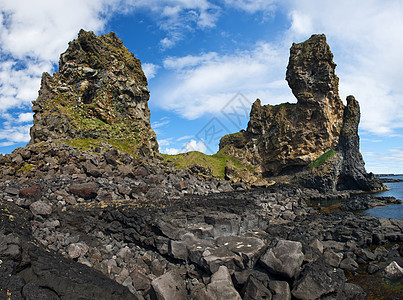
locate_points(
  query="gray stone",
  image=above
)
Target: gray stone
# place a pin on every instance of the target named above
(169, 286)
(318, 279)
(353, 292)
(140, 281)
(367, 255)
(280, 290)
(213, 258)
(333, 258)
(77, 250)
(349, 264)
(284, 259)
(40, 208)
(254, 290)
(12, 191)
(393, 271)
(372, 268)
(249, 248)
(92, 170)
(220, 287)
(155, 194)
(178, 250)
(316, 244)
(224, 224)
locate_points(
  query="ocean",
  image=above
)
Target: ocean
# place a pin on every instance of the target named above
(394, 211)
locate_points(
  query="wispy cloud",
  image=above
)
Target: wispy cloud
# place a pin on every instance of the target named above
(186, 137)
(165, 142)
(159, 124)
(253, 6)
(204, 84)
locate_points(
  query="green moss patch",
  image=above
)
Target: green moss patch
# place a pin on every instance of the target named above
(86, 144)
(25, 169)
(322, 159)
(216, 162)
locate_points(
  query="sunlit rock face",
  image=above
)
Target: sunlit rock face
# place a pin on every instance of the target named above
(286, 138)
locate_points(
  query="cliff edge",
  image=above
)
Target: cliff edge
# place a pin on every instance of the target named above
(99, 94)
(315, 138)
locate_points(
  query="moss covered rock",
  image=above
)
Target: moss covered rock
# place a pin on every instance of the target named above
(99, 93)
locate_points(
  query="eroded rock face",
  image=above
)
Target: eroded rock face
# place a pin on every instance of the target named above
(286, 138)
(291, 135)
(100, 92)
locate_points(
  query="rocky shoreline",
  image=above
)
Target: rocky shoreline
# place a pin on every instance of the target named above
(260, 243)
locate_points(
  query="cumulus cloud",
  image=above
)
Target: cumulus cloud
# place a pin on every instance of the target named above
(25, 117)
(192, 145)
(15, 134)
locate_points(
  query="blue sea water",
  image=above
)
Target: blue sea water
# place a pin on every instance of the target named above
(394, 211)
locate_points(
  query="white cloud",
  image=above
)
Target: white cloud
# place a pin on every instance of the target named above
(25, 117)
(6, 144)
(172, 151)
(160, 123)
(192, 145)
(182, 138)
(150, 70)
(204, 84)
(252, 6)
(34, 33)
(165, 142)
(15, 134)
(301, 23)
(178, 17)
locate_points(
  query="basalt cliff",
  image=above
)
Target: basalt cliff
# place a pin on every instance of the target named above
(99, 94)
(316, 140)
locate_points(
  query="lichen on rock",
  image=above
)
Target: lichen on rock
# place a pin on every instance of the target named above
(100, 93)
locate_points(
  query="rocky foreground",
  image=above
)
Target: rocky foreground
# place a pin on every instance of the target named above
(102, 225)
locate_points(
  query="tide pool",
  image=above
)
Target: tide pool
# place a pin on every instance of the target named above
(394, 211)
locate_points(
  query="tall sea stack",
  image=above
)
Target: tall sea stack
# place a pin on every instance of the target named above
(315, 138)
(99, 93)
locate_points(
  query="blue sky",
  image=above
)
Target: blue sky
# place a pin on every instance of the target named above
(207, 61)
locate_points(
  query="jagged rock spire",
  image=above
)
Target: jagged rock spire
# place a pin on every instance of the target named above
(99, 93)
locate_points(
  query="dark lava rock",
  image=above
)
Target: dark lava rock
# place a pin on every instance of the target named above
(84, 190)
(254, 290)
(32, 193)
(284, 259)
(318, 279)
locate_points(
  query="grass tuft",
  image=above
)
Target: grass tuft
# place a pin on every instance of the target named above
(323, 158)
